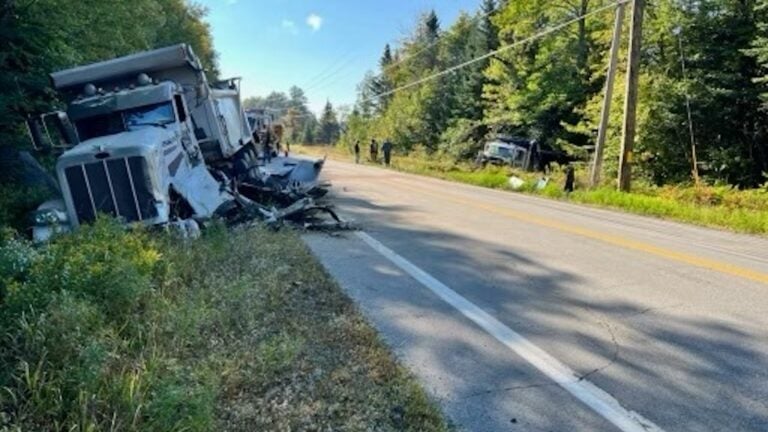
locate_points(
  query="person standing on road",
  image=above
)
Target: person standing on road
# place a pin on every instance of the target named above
(374, 151)
(357, 151)
(387, 149)
(267, 148)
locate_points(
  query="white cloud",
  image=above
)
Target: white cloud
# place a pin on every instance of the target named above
(290, 26)
(315, 21)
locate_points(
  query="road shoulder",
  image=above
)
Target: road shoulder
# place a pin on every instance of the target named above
(474, 379)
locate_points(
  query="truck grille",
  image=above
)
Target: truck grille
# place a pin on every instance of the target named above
(117, 187)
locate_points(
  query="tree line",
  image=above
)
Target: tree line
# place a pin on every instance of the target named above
(551, 88)
(301, 125)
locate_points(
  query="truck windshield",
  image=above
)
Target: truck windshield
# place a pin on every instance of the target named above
(500, 151)
(159, 114)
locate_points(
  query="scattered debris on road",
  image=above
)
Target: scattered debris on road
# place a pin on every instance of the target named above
(516, 182)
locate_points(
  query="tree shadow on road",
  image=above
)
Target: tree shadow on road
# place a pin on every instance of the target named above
(682, 371)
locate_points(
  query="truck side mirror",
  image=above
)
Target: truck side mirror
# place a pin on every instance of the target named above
(52, 130)
(35, 132)
(66, 129)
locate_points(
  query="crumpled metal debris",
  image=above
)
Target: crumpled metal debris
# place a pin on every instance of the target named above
(285, 190)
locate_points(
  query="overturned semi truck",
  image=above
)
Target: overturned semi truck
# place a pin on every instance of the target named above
(146, 138)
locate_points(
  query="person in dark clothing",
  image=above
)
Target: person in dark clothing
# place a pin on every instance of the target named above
(268, 148)
(374, 151)
(357, 152)
(387, 149)
(570, 177)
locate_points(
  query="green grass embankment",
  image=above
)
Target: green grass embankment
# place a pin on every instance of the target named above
(241, 330)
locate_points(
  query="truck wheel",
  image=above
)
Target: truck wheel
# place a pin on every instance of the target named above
(180, 207)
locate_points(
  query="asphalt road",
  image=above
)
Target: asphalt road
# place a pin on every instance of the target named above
(667, 320)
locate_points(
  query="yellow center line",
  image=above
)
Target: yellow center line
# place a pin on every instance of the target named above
(623, 242)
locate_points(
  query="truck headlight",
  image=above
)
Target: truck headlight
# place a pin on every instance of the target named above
(50, 217)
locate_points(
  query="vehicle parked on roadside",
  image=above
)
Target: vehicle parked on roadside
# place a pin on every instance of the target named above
(523, 153)
(510, 151)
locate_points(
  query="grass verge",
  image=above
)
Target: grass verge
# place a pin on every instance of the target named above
(725, 207)
(240, 330)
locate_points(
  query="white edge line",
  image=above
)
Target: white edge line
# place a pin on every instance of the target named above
(594, 397)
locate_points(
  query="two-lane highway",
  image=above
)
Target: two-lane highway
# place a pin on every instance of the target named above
(519, 313)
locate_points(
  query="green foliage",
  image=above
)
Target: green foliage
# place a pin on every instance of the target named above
(308, 136)
(291, 110)
(111, 329)
(537, 88)
(737, 219)
(728, 122)
(328, 126)
(551, 88)
(759, 48)
(463, 139)
(68, 311)
(16, 204)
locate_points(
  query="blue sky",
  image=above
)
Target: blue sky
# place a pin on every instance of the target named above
(325, 47)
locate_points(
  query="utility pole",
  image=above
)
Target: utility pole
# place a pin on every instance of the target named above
(630, 103)
(694, 159)
(608, 98)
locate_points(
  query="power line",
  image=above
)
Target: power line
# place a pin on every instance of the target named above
(321, 80)
(328, 69)
(401, 60)
(447, 71)
(328, 84)
(505, 48)
(323, 83)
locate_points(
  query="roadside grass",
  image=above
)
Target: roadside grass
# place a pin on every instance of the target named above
(672, 204)
(725, 207)
(240, 330)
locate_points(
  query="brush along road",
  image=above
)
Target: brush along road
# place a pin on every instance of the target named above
(519, 313)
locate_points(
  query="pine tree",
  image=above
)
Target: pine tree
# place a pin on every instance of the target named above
(386, 58)
(297, 99)
(383, 83)
(309, 134)
(490, 33)
(428, 36)
(759, 47)
(328, 127)
(367, 90)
